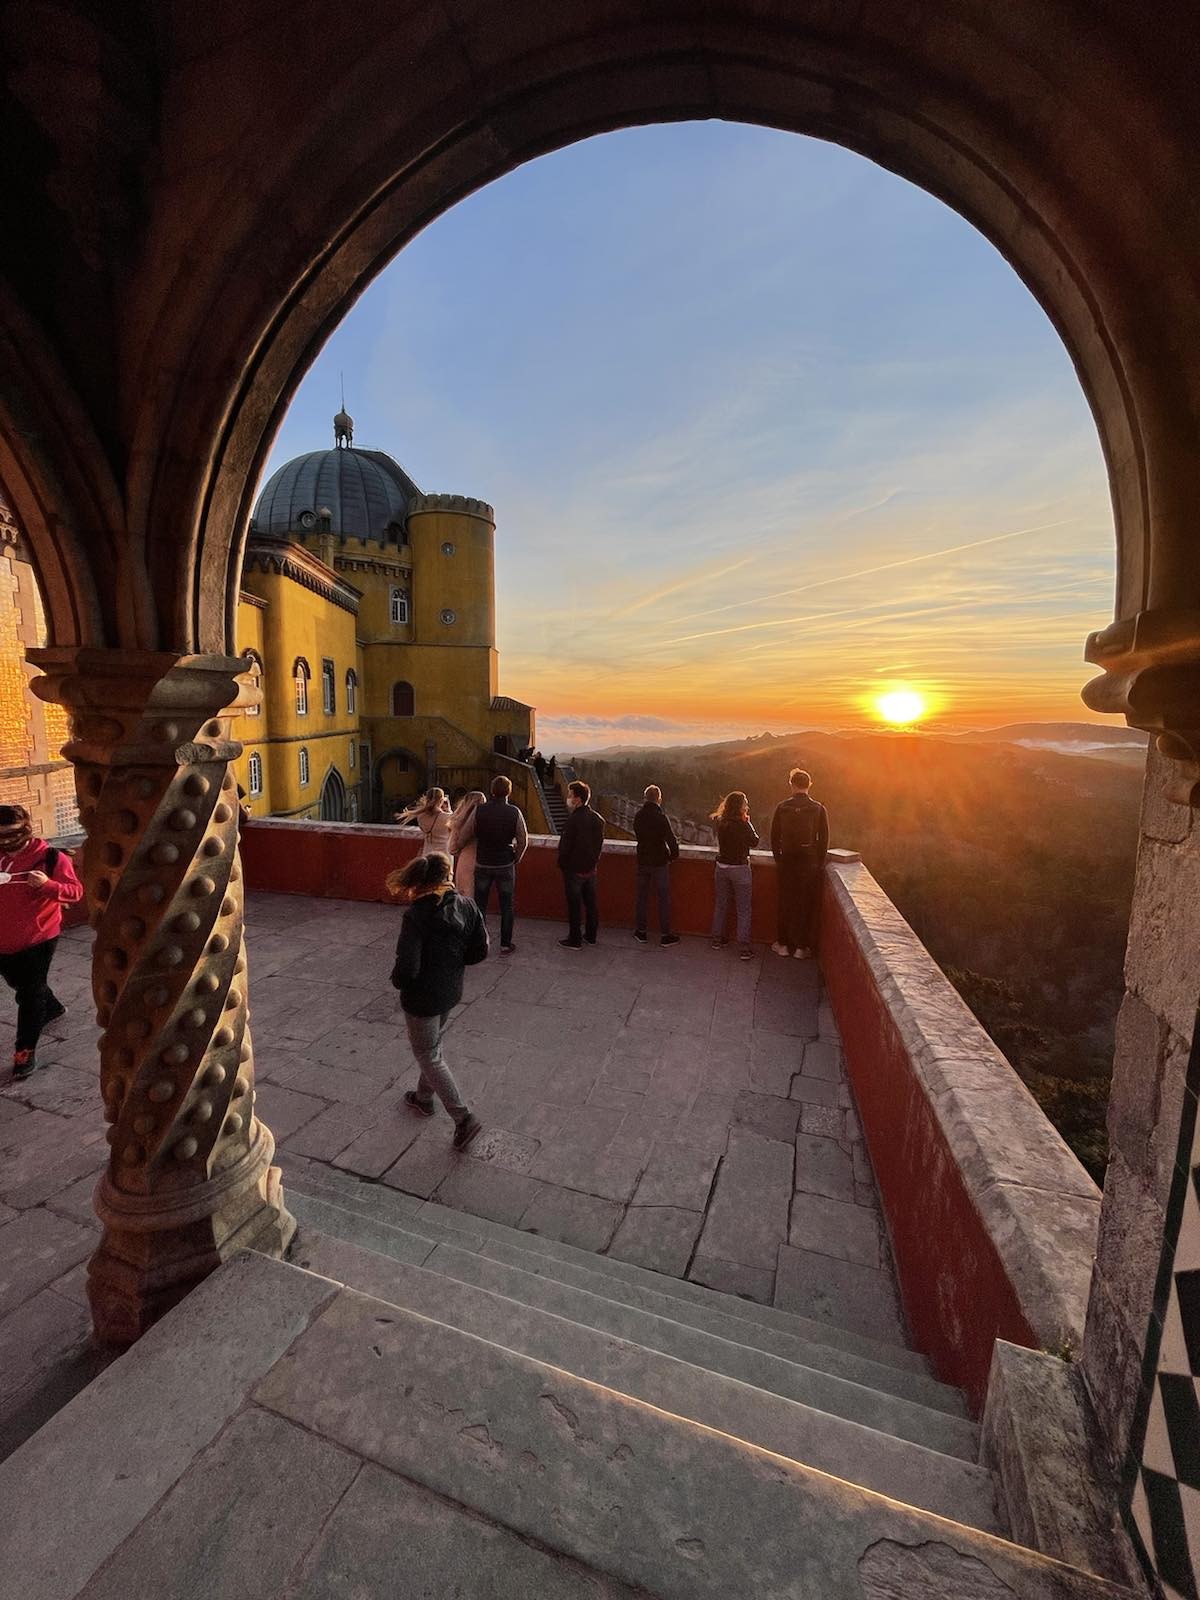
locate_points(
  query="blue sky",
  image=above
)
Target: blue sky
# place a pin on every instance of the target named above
(739, 399)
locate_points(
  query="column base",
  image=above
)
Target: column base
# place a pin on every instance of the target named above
(152, 1254)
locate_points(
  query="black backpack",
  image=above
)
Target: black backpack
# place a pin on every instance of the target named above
(799, 827)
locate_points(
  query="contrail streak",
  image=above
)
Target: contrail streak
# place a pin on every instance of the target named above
(674, 588)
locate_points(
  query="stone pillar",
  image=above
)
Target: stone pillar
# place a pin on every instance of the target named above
(189, 1178)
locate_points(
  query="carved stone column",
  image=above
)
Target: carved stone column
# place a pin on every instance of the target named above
(189, 1179)
(1151, 676)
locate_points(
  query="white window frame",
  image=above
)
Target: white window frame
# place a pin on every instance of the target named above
(351, 692)
(305, 769)
(301, 681)
(399, 607)
(254, 775)
(256, 677)
(328, 687)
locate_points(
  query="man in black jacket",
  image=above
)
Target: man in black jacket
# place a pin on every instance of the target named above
(579, 847)
(799, 841)
(501, 839)
(657, 847)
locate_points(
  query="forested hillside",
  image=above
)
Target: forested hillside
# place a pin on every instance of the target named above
(1014, 866)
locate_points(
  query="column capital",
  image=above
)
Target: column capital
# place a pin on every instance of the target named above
(1151, 677)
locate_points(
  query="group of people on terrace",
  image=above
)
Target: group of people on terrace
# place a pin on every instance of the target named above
(444, 928)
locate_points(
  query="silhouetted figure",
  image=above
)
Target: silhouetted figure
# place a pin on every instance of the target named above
(736, 837)
(539, 766)
(799, 842)
(501, 839)
(579, 847)
(657, 847)
(551, 769)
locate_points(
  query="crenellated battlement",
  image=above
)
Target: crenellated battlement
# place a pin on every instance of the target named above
(451, 502)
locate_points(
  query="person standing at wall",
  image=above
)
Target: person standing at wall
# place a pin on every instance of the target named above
(441, 934)
(501, 839)
(736, 837)
(432, 816)
(36, 882)
(579, 847)
(657, 847)
(463, 845)
(799, 842)
(539, 766)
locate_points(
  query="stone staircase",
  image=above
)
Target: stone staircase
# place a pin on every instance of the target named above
(556, 806)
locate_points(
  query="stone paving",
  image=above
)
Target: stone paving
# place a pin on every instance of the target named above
(672, 1107)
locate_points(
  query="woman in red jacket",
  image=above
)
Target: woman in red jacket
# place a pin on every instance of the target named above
(36, 881)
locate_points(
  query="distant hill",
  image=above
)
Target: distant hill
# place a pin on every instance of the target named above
(1053, 733)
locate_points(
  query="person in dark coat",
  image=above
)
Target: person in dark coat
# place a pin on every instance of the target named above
(36, 882)
(539, 766)
(442, 933)
(579, 847)
(501, 839)
(657, 847)
(799, 842)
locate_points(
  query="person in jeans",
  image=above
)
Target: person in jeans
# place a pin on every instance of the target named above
(736, 838)
(657, 847)
(579, 847)
(501, 839)
(799, 842)
(36, 882)
(442, 933)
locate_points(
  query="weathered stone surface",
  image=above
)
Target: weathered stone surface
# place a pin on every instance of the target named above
(825, 1122)
(34, 1336)
(769, 1115)
(285, 1110)
(835, 1228)
(34, 1250)
(817, 1091)
(327, 1135)
(747, 1216)
(584, 1220)
(731, 1277)
(491, 1191)
(823, 1167)
(54, 1477)
(893, 1571)
(239, 1519)
(676, 1175)
(425, 1164)
(660, 1238)
(842, 1293)
(610, 1174)
(822, 1059)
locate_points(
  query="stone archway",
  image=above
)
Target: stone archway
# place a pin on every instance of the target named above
(333, 797)
(131, 436)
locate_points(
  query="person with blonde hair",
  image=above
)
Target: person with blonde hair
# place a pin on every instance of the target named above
(463, 845)
(736, 837)
(432, 816)
(442, 933)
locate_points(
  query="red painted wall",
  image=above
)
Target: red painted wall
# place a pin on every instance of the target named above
(957, 1295)
(352, 863)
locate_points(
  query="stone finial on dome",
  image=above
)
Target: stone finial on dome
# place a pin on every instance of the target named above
(343, 429)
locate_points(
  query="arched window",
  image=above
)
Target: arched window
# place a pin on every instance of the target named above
(351, 691)
(303, 767)
(301, 674)
(402, 700)
(352, 755)
(328, 692)
(399, 605)
(255, 774)
(255, 675)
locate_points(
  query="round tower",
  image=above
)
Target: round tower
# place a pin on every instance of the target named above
(454, 570)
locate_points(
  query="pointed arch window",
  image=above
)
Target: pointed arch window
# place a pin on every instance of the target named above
(328, 688)
(351, 692)
(301, 674)
(255, 774)
(303, 767)
(399, 606)
(402, 700)
(254, 675)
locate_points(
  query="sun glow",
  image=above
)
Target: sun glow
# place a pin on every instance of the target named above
(901, 707)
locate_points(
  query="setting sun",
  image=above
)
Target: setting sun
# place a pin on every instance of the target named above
(901, 706)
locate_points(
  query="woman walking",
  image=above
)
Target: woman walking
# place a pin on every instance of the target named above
(442, 933)
(433, 818)
(36, 882)
(735, 840)
(462, 841)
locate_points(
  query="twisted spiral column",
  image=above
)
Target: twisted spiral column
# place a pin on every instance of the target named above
(189, 1178)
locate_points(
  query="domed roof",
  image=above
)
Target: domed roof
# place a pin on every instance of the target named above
(365, 492)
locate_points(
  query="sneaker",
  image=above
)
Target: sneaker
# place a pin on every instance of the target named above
(586, 940)
(507, 949)
(639, 935)
(572, 944)
(413, 1099)
(802, 955)
(671, 938)
(780, 949)
(746, 954)
(469, 1128)
(24, 1064)
(717, 944)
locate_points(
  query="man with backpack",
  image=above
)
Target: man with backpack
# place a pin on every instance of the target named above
(501, 839)
(799, 842)
(36, 882)
(579, 847)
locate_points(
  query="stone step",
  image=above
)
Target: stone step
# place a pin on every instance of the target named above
(854, 1401)
(908, 1472)
(799, 1339)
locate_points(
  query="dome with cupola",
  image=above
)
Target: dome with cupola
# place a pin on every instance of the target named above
(357, 494)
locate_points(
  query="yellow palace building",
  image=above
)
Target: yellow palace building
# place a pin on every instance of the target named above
(369, 611)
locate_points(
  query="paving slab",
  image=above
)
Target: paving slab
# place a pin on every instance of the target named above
(676, 1175)
(731, 1277)
(425, 1164)
(836, 1228)
(35, 1335)
(660, 1238)
(380, 1145)
(36, 1248)
(489, 1191)
(823, 1167)
(747, 1217)
(769, 1115)
(584, 1220)
(612, 1175)
(284, 1111)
